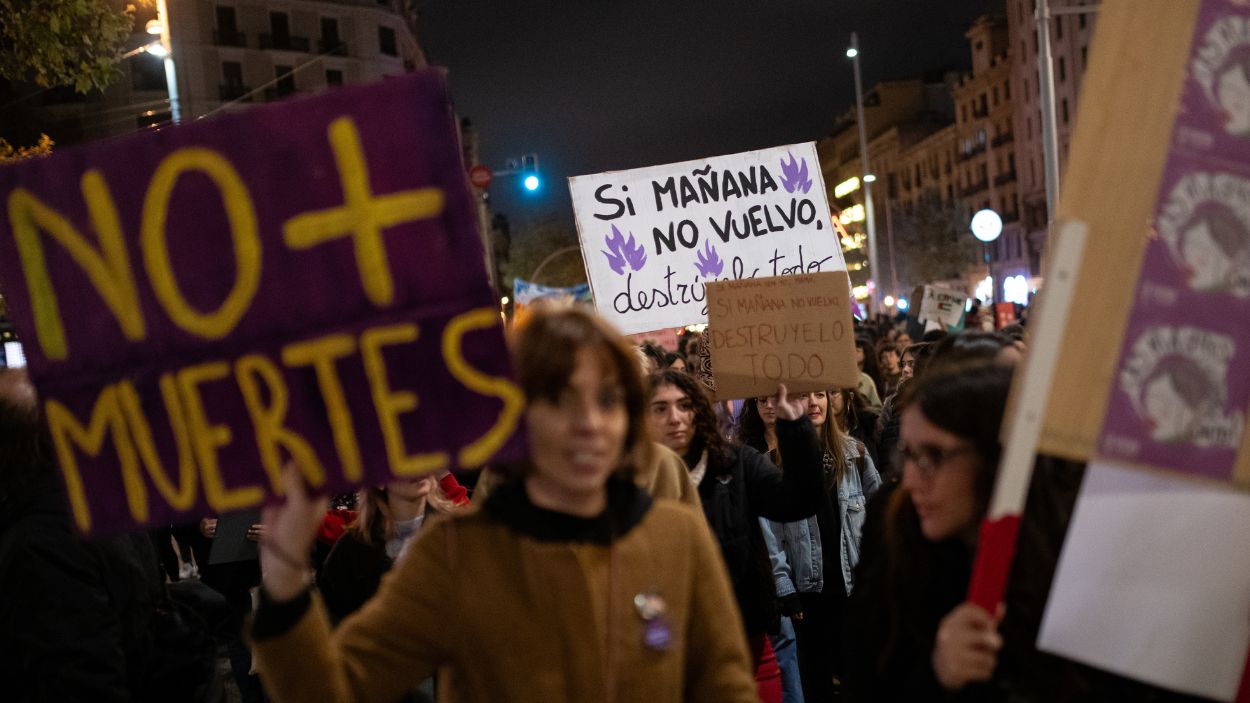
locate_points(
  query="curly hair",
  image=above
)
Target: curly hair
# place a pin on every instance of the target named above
(706, 429)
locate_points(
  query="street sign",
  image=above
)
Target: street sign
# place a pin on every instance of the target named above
(480, 176)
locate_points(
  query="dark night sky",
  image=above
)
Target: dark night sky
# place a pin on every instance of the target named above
(594, 86)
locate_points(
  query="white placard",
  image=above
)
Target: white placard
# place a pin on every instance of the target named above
(652, 236)
(1154, 581)
(943, 305)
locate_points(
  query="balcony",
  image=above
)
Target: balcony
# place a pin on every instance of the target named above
(973, 189)
(231, 91)
(229, 38)
(284, 42)
(333, 47)
(280, 92)
(978, 149)
(1007, 177)
(1004, 138)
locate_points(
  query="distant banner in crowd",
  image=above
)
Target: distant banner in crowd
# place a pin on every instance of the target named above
(943, 306)
(653, 237)
(526, 294)
(301, 281)
(795, 330)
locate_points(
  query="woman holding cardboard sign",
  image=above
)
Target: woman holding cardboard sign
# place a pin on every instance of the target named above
(738, 485)
(821, 551)
(569, 585)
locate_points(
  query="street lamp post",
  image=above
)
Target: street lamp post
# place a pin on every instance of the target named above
(1046, 88)
(866, 177)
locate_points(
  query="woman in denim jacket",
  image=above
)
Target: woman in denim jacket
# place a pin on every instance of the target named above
(818, 588)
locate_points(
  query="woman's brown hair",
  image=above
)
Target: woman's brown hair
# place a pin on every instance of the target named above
(544, 352)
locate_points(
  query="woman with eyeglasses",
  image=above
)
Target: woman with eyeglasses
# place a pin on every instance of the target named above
(916, 638)
(820, 552)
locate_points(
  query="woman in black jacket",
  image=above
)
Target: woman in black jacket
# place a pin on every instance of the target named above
(738, 485)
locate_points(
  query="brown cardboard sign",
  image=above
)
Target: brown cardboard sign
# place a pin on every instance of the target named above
(795, 330)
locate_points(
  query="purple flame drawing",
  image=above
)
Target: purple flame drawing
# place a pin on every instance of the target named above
(794, 176)
(622, 251)
(709, 265)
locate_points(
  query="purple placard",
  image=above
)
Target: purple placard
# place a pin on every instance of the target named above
(1182, 388)
(303, 280)
(1214, 116)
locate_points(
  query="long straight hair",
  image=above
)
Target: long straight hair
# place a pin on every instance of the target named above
(968, 401)
(374, 523)
(751, 432)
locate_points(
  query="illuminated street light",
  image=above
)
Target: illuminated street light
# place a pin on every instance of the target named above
(870, 178)
(531, 182)
(987, 225)
(852, 52)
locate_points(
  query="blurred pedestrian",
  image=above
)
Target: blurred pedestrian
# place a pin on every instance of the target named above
(570, 584)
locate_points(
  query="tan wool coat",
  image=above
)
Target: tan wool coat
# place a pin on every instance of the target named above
(505, 616)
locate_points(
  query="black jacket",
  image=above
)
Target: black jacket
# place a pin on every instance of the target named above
(743, 486)
(887, 663)
(351, 575)
(74, 615)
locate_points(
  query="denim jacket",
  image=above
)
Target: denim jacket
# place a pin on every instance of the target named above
(794, 548)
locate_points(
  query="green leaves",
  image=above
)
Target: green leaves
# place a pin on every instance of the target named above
(63, 42)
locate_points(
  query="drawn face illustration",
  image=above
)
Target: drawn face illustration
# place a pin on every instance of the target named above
(1206, 265)
(1233, 92)
(1169, 415)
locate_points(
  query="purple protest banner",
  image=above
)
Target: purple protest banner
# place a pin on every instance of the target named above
(303, 281)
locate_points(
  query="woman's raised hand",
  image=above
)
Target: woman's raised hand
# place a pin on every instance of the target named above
(788, 409)
(290, 529)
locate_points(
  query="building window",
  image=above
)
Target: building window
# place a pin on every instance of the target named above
(147, 73)
(330, 41)
(1063, 69)
(1007, 89)
(980, 137)
(995, 96)
(1084, 56)
(286, 81)
(1080, 20)
(1059, 27)
(334, 77)
(232, 86)
(963, 112)
(1064, 109)
(227, 32)
(280, 28)
(386, 41)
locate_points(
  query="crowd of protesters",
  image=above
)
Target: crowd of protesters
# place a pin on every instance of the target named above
(656, 544)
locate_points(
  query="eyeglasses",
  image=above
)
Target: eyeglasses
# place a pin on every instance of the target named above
(928, 459)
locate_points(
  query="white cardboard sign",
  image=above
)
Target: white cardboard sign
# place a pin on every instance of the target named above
(651, 237)
(943, 305)
(1154, 581)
